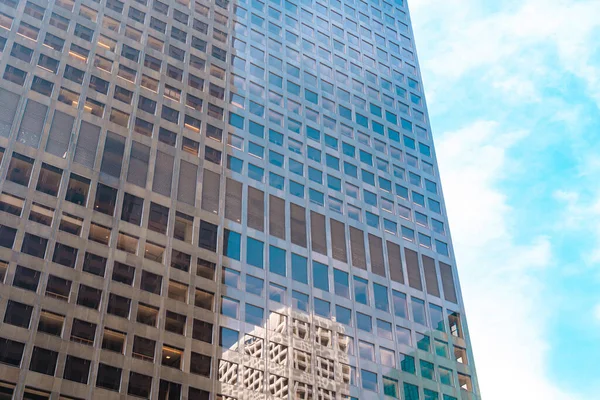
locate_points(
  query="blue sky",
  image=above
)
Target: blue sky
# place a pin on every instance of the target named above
(513, 90)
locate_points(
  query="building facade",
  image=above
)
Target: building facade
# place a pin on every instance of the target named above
(214, 199)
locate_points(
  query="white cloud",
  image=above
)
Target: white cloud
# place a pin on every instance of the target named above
(596, 312)
(530, 44)
(499, 276)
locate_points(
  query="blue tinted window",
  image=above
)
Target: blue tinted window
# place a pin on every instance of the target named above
(334, 183)
(381, 297)
(276, 158)
(418, 198)
(378, 128)
(275, 137)
(322, 308)
(409, 142)
(364, 322)
(423, 342)
(312, 133)
(228, 338)
(311, 96)
(330, 141)
(394, 135)
(296, 167)
(385, 184)
(402, 191)
(343, 315)
(277, 262)
(368, 177)
(277, 293)
(372, 220)
(424, 149)
(348, 149)
(369, 380)
(254, 315)
(230, 307)
(365, 157)
(231, 244)
(255, 285)
(235, 164)
(300, 301)
(361, 290)
(430, 186)
(255, 172)
(316, 197)
(370, 198)
(435, 206)
(350, 169)
(320, 276)
(441, 248)
(315, 175)
(277, 181)
(257, 129)
(411, 392)
(362, 120)
(332, 162)
(341, 283)
(406, 124)
(296, 189)
(236, 120)
(314, 154)
(299, 269)
(254, 255)
(407, 363)
(230, 277)
(256, 150)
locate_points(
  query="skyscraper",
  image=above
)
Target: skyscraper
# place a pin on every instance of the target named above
(222, 200)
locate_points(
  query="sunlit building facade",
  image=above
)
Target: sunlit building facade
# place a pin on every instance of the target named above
(215, 199)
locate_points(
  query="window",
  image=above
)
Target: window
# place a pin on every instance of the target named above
(418, 311)
(369, 380)
(175, 322)
(76, 369)
(455, 324)
(51, 323)
(171, 356)
(158, 218)
(83, 332)
(381, 297)
(204, 299)
(202, 330)
(113, 340)
(94, 264)
(58, 288)
(427, 370)
(300, 301)
(11, 353)
(277, 293)
(19, 169)
(341, 283)
(143, 348)
(361, 291)
(200, 364)
(18, 314)
(89, 297)
(42, 214)
(43, 361)
(118, 305)
(26, 278)
(109, 377)
(139, 385)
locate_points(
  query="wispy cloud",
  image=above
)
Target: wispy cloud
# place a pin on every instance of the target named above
(521, 42)
(514, 86)
(499, 276)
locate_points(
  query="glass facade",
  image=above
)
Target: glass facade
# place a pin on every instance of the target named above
(214, 199)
